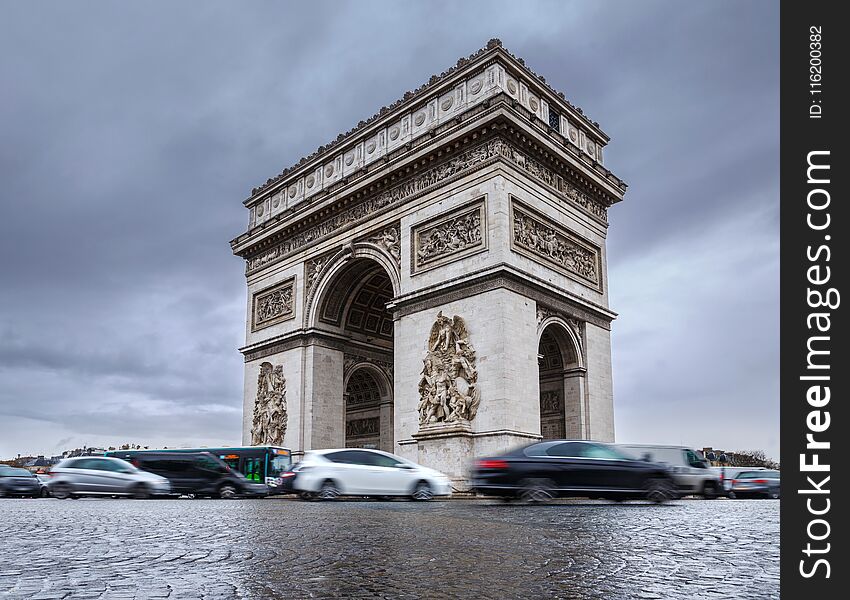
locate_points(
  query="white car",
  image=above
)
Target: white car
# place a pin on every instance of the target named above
(328, 474)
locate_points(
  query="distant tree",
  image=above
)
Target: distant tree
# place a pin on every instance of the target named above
(751, 458)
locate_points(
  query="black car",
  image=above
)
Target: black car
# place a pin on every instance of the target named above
(560, 468)
(18, 482)
(197, 474)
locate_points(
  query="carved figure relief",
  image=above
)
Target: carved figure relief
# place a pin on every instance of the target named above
(555, 245)
(449, 238)
(368, 427)
(269, 419)
(448, 388)
(390, 240)
(274, 304)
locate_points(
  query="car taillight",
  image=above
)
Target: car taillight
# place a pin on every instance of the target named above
(287, 474)
(759, 480)
(492, 464)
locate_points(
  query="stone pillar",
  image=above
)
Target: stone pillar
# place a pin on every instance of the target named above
(325, 422)
(600, 394)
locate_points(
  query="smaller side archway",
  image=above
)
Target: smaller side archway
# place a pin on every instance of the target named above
(562, 379)
(368, 408)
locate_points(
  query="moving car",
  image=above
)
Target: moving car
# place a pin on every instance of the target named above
(103, 476)
(43, 479)
(689, 468)
(18, 482)
(559, 468)
(727, 474)
(198, 474)
(328, 474)
(763, 483)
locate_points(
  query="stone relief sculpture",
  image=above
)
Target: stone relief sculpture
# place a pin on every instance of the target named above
(390, 240)
(274, 305)
(449, 236)
(269, 423)
(448, 389)
(555, 246)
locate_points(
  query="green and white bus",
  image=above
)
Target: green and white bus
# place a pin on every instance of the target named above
(261, 464)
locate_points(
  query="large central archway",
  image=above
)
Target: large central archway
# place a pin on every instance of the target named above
(352, 306)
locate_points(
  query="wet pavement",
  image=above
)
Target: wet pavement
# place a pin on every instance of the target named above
(275, 548)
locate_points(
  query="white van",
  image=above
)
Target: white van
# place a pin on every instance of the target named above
(690, 470)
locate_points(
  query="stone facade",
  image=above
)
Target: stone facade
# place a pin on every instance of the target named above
(407, 279)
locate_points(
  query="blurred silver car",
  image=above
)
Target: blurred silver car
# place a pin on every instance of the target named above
(103, 476)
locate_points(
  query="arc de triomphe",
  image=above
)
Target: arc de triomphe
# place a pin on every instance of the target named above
(433, 283)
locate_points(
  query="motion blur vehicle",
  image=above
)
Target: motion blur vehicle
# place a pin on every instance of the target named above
(328, 474)
(689, 468)
(18, 482)
(259, 464)
(727, 474)
(103, 476)
(560, 468)
(763, 483)
(198, 474)
(43, 480)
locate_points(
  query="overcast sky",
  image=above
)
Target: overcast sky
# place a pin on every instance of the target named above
(130, 133)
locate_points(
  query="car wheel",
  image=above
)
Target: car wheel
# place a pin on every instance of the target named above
(709, 492)
(62, 491)
(659, 490)
(227, 492)
(141, 492)
(328, 491)
(45, 493)
(537, 490)
(422, 492)
(773, 495)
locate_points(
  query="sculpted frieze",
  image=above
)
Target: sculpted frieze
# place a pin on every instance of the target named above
(363, 427)
(541, 238)
(465, 161)
(449, 238)
(273, 305)
(448, 386)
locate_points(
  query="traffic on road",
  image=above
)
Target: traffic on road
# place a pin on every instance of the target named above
(534, 473)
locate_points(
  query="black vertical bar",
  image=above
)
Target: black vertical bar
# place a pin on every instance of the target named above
(814, 363)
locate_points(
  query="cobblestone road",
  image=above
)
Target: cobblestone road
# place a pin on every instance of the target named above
(273, 548)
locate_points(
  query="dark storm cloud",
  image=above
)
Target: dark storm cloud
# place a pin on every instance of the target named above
(130, 133)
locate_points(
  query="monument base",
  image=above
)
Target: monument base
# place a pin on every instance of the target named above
(449, 448)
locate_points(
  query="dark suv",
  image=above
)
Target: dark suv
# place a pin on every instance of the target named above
(197, 473)
(18, 482)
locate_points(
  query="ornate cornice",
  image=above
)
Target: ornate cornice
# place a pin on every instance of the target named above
(494, 46)
(296, 236)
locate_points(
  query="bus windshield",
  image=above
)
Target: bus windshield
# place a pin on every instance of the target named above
(278, 464)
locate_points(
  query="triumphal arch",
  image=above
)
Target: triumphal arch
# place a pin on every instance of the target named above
(433, 283)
